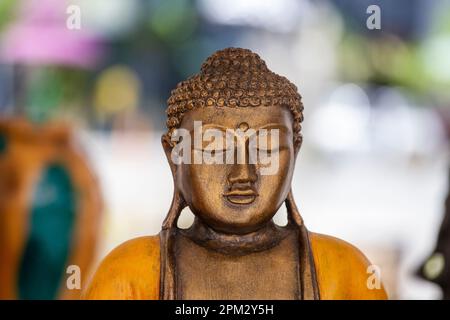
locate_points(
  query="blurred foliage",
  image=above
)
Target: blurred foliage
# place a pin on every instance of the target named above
(7, 8)
(441, 22)
(384, 61)
(52, 90)
(173, 21)
(413, 64)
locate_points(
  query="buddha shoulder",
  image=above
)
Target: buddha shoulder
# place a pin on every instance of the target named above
(130, 271)
(342, 270)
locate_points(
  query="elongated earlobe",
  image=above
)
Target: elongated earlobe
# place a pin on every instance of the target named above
(294, 216)
(178, 204)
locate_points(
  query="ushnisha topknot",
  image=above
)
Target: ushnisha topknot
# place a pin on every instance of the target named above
(234, 78)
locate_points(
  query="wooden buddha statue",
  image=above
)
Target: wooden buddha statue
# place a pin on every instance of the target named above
(234, 250)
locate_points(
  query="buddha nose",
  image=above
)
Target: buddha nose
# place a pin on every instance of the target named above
(243, 171)
(242, 174)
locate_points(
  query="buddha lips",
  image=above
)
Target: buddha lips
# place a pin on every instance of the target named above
(215, 144)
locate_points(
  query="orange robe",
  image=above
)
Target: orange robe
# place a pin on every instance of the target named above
(132, 271)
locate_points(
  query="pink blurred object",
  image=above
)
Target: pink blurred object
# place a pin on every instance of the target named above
(40, 36)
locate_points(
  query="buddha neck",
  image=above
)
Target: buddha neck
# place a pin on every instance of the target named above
(262, 239)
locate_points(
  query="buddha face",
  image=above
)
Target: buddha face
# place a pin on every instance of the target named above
(238, 195)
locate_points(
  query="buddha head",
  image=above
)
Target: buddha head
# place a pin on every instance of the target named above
(241, 123)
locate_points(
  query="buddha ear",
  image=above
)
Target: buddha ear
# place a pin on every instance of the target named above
(178, 203)
(167, 146)
(297, 145)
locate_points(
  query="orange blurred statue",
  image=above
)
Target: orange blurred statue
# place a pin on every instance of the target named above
(50, 208)
(234, 132)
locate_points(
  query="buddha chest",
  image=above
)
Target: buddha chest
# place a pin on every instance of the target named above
(204, 273)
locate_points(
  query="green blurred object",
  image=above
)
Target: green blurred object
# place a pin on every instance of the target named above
(6, 11)
(173, 21)
(385, 61)
(3, 143)
(53, 90)
(49, 239)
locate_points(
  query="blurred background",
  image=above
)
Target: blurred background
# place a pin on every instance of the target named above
(373, 169)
